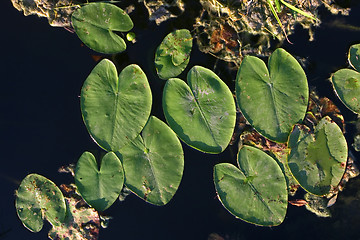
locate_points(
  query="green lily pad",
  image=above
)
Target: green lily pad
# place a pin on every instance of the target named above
(202, 113)
(38, 198)
(354, 57)
(115, 108)
(153, 163)
(256, 192)
(318, 160)
(173, 54)
(96, 23)
(272, 102)
(99, 187)
(346, 83)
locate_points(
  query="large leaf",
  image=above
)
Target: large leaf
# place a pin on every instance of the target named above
(256, 192)
(115, 108)
(354, 56)
(99, 187)
(38, 198)
(95, 24)
(202, 113)
(272, 102)
(346, 83)
(173, 54)
(153, 163)
(317, 160)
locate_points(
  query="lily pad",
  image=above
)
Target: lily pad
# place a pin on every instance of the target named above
(202, 113)
(115, 108)
(153, 163)
(38, 198)
(99, 187)
(173, 54)
(256, 192)
(273, 100)
(318, 160)
(96, 24)
(354, 57)
(346, 83)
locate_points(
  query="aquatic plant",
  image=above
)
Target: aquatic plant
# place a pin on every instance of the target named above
(346, 82)
(201, 113)
(153, 163)
(99, 187)
(256, 191)
(38, 198)
(173, 54)
(96, 23)
(318, 160)
(272, 100)
(145, 155)
(115, 108)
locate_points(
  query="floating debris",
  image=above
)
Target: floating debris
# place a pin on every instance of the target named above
(317, 205)
(58, 12)
(230, 30)
(81, 223)
(162, 10)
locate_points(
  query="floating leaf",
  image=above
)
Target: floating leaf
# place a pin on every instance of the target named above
(95, 24)
(272, 102)
(38, 198)
(202, 114)
(346, 83)
(173, 54)
(153, 163)
(256, 192)
(99, 188)
(317, 160)
(115, 108)
(354, 57)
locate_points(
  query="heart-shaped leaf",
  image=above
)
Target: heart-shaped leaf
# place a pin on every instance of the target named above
(153, 163)
(346, 83)
(272, 102)
(317, 160)
(95, 24)
(115, 108)
(38, 198)
(354, 57)
(173, 54)
(99, 188)
(202, 114)
(256, 192)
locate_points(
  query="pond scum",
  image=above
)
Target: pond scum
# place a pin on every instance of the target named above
(300, 141)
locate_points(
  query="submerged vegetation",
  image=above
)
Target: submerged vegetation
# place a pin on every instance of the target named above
(287, 137)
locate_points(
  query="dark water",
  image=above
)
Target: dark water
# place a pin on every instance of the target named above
(42, 71)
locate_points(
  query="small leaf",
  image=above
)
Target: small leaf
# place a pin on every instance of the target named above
(96, 23)
(153, 163)
(354, 57)
(173, 54)
(317, 160)
(202, 114)
(99, 188)
(115, 108)
(38, 198)
(346, 83)
(272, 102)
(256, 192)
